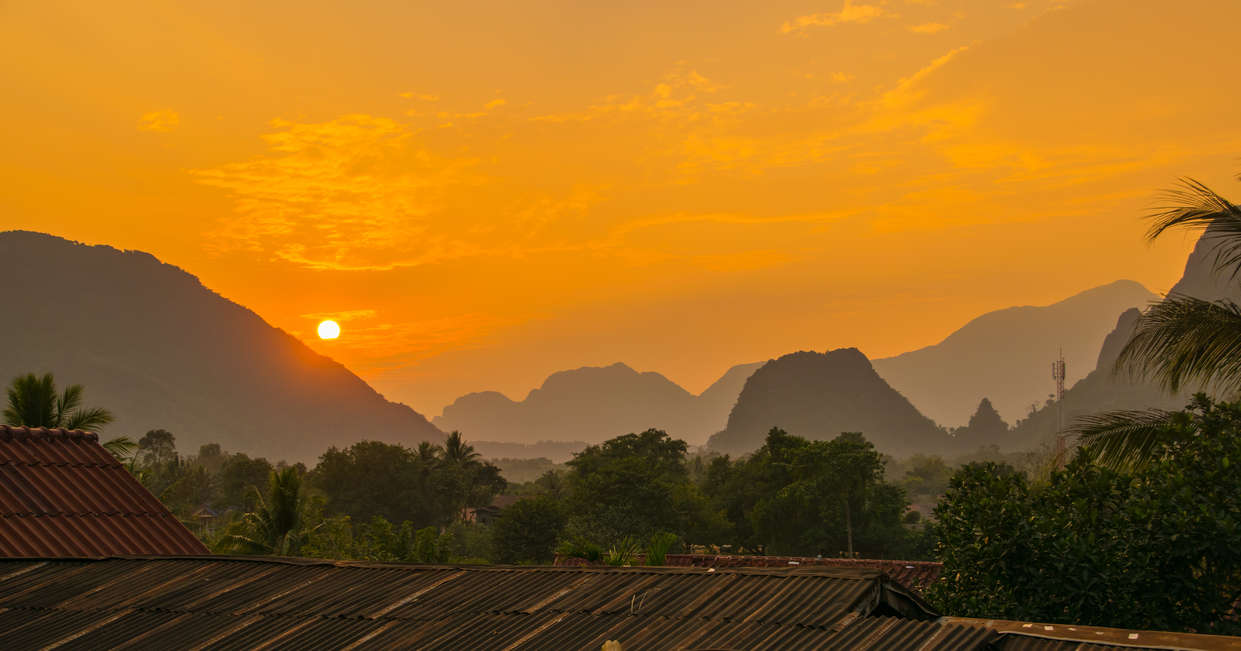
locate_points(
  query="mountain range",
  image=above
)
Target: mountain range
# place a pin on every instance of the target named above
(1003, 355)
(158, 349)
(593, 404)
(1104, 389)
(1006, 355)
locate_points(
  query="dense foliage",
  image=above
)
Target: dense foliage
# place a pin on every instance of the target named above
(636, 485)
(527, 531)
(800, 497)
(1151, 548)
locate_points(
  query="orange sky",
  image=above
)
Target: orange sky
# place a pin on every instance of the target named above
(483, 193)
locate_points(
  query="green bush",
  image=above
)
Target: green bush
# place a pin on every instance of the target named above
(622, 552)
(661, 543)
(526, 532)
(579, 548)
(1155, 548)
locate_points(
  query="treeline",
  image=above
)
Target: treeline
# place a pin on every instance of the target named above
(381, 501)
(371, 501)
(792, 496)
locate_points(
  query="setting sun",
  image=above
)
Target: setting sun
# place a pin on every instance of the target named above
(329, 329)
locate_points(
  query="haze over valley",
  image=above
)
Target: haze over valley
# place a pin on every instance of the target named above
(223, 375)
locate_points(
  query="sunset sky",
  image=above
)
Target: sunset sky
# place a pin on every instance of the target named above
(483, 193)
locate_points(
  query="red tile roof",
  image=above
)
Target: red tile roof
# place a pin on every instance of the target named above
(63, 495)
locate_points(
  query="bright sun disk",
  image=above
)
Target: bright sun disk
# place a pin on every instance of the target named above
(329, 329)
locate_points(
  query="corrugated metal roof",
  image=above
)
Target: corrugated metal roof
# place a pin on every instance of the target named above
(237, 602)
(918, 575)
(1033, 636)
(252, 602)
(63, 495)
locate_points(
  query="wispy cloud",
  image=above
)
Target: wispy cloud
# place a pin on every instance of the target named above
(849, 13)
(354, 193)
(162, 120)
(928, 28)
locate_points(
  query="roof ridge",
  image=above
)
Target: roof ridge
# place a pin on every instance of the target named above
(45, 514)
(12, 432)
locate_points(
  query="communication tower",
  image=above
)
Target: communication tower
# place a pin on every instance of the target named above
(1057, 374)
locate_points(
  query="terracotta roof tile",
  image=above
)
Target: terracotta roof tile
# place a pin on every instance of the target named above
(63, 495)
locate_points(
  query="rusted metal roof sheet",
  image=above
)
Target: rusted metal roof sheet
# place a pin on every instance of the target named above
(918, 575)
(63, 495)
(252, 602)
(1032, 636)
(236, 602)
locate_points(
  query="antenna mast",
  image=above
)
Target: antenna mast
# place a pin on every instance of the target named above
(1057, 374)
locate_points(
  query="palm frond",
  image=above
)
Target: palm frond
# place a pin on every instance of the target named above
(32, 401)
(1194, 205)
(1127, 439)
(120, 447)
(66, 403)
(88, 419)
(1182, 340)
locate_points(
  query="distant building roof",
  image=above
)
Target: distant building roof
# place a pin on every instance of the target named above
(504, 501)
(63, 495)
(250, 602)
(918, 575)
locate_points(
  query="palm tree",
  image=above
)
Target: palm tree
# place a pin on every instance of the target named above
(34, 402)
(1180, 341)
(458, 453)
(428, 453)
(276, 524)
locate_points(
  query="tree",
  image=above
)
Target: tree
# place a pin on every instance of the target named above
(1147, 548)
(275, 526)
(371, 478)
(157, 462)
(238, 477)
(35, 402)
(424, 486)
(457, 452)
(1181, 340)
(827, 497)
(636, 485)
(464, 479)
(527, 531)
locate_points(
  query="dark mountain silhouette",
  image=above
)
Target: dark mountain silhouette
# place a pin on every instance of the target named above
(820, 395)
(594, 404)
(1007, 354)
(159, 350)
(986, 427)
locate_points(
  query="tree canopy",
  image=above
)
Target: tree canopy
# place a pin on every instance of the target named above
(1148, 548)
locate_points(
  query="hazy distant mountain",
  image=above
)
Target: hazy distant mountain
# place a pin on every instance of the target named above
(1200, 279)
(594, 404)
(159, 350)
(1006, 355)
(1101, 390)
(820, 395)
(717, 401)
(554, 451)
